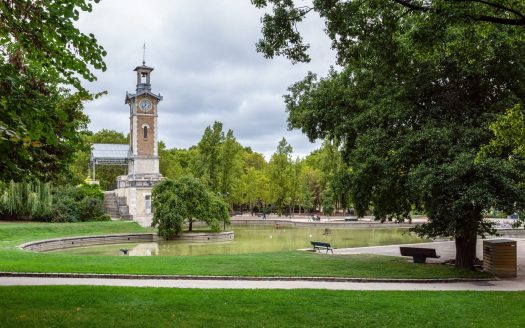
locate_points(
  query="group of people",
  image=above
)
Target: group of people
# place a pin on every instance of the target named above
(315, 217)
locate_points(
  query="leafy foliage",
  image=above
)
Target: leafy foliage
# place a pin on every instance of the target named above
(40, 201)
(509, 134)
(344, 19)
(42, 34)
(420, 85)
(247, 182)
(42, 54)
(186, 200)
(25, 199)
(78, 204)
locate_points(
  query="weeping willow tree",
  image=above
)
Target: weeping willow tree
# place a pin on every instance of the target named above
(25, 199)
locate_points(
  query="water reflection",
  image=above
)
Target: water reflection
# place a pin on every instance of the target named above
(260, 239)
(144, 249)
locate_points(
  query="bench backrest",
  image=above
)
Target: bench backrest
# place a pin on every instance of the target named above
(411, 251)
(318, 243)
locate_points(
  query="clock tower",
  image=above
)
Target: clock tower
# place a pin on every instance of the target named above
(134, 189)
(143, 106)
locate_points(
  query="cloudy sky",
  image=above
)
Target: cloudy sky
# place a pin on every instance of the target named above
(206, 68)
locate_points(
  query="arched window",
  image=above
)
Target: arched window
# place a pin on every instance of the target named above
(145, 132)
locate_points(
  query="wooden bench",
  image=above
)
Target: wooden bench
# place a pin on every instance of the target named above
(419, 254)
(318, 245)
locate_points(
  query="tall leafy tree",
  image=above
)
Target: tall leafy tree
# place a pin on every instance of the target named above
(230, 164)
(421, 83)
(42, 55)
(209, 149)
(279, 172)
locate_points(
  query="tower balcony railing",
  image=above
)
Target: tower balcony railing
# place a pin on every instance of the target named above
(126, 181)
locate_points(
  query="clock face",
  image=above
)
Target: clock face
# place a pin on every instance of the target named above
(145, 105)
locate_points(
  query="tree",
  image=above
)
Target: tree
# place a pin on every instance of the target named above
(42, 53)
(255, 189)
(328, 201)
(310, 186)
(209, 149)
(230, 166)
(186, 200)
(295, 174)
(281, 36)
(40, 127)
(280, 175)
(42, 34)
(412, 105)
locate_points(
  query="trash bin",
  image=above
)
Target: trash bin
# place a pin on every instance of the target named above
(499, 257)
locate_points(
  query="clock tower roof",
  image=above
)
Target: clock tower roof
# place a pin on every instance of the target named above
(143, 68)
(131, 96)
(143, 84)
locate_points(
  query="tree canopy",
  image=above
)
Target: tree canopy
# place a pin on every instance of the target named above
(186, 200)
(42, 56)
(41, 36)
(419, 86)
(346, 18)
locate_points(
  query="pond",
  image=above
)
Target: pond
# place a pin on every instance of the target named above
(259, 239)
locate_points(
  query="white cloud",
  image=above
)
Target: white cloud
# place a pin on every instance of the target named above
(206, 67)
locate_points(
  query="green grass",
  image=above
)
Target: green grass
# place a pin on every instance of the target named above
(88, 306)
(293, 263)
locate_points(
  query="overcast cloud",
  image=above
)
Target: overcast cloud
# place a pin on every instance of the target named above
(206, 68)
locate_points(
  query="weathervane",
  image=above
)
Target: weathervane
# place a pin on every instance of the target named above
(144, 54)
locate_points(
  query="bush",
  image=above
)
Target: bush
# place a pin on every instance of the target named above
(92, 209)
(91, 191)
(26, 200)
(80, 203)
(64, 208)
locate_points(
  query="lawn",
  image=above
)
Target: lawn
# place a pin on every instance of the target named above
(89, 306)
(293, 264)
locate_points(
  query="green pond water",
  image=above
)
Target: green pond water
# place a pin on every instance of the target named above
(259, 239)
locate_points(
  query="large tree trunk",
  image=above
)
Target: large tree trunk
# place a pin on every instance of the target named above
(467, 237)
(191, 226)
(466, 250)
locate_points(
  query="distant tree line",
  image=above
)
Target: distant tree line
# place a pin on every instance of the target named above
(242, 177)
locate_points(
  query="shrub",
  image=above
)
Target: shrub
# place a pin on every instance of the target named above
(65, 205)
(80, 203)
(91, 191)
(92, 209)
(25, 199)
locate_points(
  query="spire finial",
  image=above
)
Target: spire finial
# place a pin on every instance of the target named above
(144, 54)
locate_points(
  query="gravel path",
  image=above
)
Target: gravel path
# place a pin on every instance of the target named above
(503, 285)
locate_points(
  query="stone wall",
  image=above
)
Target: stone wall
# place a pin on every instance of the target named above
(60, 243)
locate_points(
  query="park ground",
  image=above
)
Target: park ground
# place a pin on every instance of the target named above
(94, 306)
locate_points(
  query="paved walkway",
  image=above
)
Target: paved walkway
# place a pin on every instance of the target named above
(445, 249)
(503, 285)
